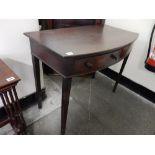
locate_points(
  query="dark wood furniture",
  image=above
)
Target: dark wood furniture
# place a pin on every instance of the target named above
(47, 24)
(78, 51)
(8, 82)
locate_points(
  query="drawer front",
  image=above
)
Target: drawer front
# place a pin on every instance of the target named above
(92, 64)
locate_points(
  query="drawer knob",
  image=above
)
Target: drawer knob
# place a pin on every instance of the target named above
(88, 64)
(113, 57)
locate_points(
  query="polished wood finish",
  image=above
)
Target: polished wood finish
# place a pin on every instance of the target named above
(65, 23)
(36, 69)
(8, 82)
(4, 122)
(120, 73)
(91, 64)
(66, 87)
(5, 73)
(83, 41)
(47, 24)
(90, 48)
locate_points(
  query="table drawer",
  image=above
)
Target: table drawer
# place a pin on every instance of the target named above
(92, 64)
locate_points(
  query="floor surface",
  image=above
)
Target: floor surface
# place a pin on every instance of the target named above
(94, 110)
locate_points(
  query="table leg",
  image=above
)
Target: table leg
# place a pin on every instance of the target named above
(11, 104)
(120, 73)
(19, 115)
(9, 111)
(36, 70)
(66, 87)
(93, 75)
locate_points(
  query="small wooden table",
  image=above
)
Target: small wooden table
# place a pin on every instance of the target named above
(78, 51)
(8, 82)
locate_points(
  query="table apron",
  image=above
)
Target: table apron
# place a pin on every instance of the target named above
(69, 67)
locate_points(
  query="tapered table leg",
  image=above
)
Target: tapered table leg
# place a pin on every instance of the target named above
(93, 75)
(66, 87)
(120, 73)
(36, 70)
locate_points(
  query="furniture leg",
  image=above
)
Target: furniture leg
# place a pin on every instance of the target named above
(19, 112)
(120, 73)
(9, 111)
(12, 107)
(36, 69)
(93, 75)
(66, 87)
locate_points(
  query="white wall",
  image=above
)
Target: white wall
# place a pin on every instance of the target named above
(134, 69)
(15, 51)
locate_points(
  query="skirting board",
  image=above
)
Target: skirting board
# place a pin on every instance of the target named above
(137, 88)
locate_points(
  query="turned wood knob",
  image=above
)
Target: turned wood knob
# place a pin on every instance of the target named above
(113, 57)
(88, 65)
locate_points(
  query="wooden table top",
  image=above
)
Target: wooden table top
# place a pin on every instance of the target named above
(84, 40)
(7, 76)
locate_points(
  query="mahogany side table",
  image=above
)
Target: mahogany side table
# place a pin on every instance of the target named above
(8, 82)
(78, 51)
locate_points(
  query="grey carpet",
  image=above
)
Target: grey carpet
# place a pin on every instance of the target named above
(93, 110)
